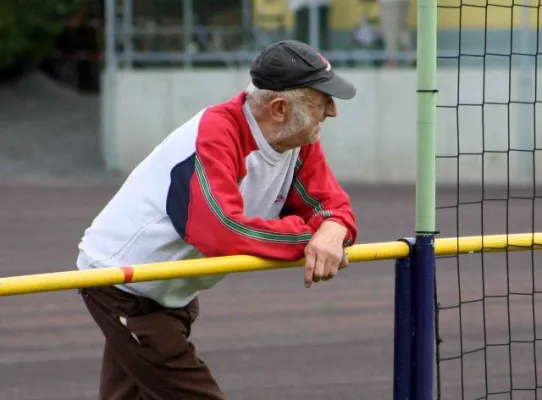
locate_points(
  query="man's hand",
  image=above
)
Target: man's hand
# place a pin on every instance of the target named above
(325, 253)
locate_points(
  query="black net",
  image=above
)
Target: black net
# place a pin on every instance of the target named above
(489, 171)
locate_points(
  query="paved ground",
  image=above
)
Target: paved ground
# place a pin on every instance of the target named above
(264, 335)
(47, 129)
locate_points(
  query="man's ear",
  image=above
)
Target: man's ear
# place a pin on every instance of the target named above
(278, 110)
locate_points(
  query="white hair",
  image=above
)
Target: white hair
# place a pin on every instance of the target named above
(257, 96)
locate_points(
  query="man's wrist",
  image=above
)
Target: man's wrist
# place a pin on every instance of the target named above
(335, 225)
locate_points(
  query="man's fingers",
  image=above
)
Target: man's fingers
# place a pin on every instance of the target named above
(320, 268)
(344, 261)
(332, 267)
(335, 269)
(332, 274)
(310, 264)
(322, 264)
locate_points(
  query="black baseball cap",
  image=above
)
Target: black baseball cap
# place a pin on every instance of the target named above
(290, 64)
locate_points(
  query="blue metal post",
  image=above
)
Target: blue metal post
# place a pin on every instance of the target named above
(424, 315)
(404, 327)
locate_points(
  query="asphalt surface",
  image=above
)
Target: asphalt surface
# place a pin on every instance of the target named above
(263, 334)
(47, 130)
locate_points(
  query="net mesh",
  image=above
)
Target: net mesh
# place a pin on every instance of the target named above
(489, 171)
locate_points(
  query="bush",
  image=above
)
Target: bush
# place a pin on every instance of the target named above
(28, 29)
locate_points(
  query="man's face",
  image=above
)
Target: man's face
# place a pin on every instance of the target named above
(303, 126)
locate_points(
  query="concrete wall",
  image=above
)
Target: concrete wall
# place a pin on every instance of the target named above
(374, 137)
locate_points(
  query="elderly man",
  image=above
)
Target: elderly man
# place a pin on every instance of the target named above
(247, 176)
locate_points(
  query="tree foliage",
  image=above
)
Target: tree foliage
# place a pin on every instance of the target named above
(28, 28)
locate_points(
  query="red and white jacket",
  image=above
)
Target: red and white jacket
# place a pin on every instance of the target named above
(214, 187)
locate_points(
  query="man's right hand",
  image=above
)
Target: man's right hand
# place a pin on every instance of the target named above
(324, 254)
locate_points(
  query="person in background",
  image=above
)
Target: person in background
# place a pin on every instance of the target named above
(394, 22)
(301, 10)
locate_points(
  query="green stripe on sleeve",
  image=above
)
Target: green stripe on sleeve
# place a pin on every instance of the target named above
(306, 197)
(237, 227)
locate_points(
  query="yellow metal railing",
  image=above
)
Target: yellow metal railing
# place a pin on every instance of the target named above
(36, 283)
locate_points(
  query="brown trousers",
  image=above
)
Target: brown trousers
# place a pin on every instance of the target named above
(147, 354)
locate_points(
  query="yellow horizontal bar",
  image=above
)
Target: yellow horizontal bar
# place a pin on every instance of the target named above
(488, 244)
(48, 282)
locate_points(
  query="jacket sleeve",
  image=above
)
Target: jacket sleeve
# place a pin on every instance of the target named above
(216, 225)
(316, 195)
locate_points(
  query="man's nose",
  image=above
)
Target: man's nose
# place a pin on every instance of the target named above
(331, 109)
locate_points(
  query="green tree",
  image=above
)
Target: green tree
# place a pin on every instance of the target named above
(28, 28)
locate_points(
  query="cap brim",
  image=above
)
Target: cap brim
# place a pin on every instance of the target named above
(336, 87)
